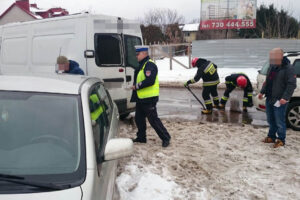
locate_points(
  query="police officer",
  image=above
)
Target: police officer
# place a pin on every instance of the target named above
(145, 94)
(242, 81)
(208, 72)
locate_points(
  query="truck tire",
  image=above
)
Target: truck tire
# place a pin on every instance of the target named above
(293, 115)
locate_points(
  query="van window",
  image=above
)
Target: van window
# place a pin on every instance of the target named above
(108, 49)
(101, 113)
(130, 42)
(297, 67)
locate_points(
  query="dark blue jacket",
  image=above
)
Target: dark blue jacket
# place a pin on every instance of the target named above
(74, 68)
(152, 70)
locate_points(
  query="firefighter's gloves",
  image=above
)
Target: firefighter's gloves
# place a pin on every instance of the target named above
(186, 84)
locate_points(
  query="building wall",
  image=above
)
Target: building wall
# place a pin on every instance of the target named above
(190, 36)
(15, 15)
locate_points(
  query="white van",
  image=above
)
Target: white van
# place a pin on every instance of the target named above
(102, 45)
(58, 138)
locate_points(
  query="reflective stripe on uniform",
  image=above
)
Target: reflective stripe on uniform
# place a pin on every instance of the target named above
(211, 69)
(245, 99)
(96, 114)
(250, 94)
(208, 102)
(230, 82)
(225, 98)
(151, 91)
(216, 98)
(211, 83)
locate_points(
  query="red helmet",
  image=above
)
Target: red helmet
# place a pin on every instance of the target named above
(241, 81)
(194, 61)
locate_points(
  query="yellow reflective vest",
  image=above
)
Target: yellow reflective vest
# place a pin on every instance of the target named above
(147, 92)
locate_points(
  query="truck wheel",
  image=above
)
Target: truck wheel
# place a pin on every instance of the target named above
(293, 115)
(123, 116)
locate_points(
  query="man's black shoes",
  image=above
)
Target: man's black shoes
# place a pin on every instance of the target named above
(139, 140)
(165, 143)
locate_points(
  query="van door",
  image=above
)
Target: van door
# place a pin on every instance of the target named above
(131, 63)
(108, 65)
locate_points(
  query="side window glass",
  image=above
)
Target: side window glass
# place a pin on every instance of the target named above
(108, 49)
(297, 67)
(265, 68)
(101, 113)
(130, 42)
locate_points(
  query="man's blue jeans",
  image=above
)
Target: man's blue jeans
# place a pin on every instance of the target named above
(276, 120)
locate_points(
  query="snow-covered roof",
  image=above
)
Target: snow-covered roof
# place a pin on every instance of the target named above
(191, 27)
(34, 10)
(57, 13)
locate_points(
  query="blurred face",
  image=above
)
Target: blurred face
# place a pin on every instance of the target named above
(63, 67)
(141, 55)
(276, 56)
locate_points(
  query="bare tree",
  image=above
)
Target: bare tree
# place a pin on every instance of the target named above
(162, 17)
(194, 21)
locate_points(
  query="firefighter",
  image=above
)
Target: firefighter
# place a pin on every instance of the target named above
(208, 72)
(242, 81)
(145, 94)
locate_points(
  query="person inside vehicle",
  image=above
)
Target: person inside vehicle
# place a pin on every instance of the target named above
(68, 66)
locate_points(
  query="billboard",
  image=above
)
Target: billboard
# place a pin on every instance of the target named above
(228, 14)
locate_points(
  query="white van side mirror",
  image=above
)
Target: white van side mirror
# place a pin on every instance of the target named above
(118, 148)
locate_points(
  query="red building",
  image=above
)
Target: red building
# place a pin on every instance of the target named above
(22, 10)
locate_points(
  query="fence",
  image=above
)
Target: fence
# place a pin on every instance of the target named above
(240, 53)
(158, 51)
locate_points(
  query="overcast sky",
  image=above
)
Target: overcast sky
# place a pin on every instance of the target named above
(135, 9)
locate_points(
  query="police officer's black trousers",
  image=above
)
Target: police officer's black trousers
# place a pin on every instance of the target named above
(207, 91)
(148, 110)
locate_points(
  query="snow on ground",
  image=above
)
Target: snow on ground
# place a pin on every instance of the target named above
(181, 74)
(210, 161)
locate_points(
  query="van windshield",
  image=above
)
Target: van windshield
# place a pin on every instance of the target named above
(41, 136)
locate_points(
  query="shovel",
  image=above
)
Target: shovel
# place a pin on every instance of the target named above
(189, 89)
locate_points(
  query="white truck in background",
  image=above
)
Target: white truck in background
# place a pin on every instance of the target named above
(102, 45)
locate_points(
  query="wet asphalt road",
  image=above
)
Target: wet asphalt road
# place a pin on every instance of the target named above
(178, 103)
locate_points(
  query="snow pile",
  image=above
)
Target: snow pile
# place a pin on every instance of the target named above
(181, 74)
(210, 161)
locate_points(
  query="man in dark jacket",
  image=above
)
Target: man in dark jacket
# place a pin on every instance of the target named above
(238, 80)
(208, 72)
(278, 88)
(68, 66)
(145, 94)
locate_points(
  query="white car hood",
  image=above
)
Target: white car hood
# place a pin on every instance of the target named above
(73, 193)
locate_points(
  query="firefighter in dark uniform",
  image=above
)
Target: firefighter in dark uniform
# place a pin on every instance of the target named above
(242, 81)
(145, 94)
(208, 72)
